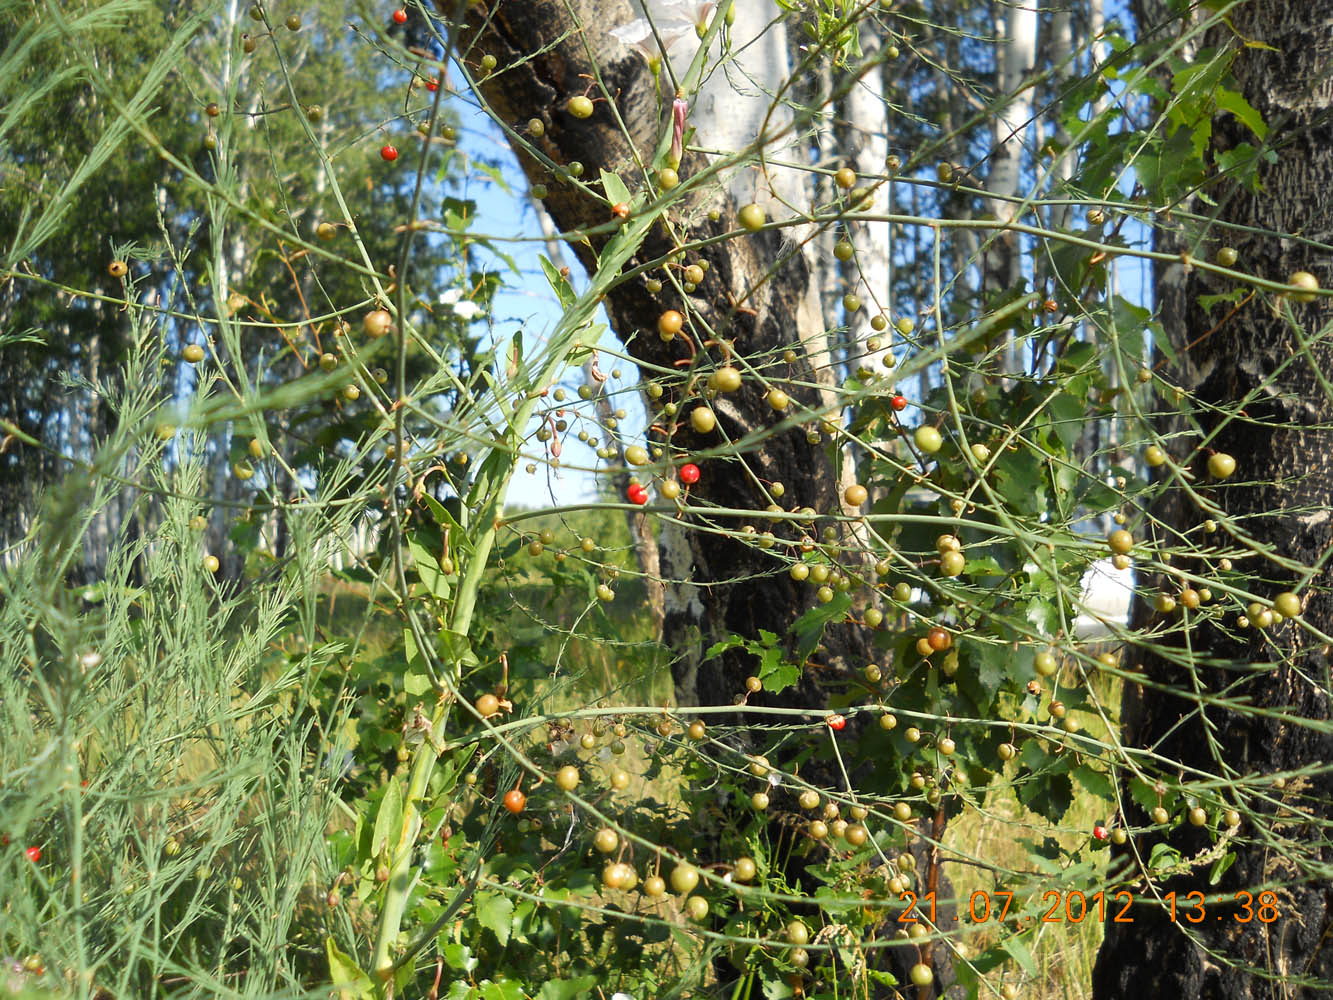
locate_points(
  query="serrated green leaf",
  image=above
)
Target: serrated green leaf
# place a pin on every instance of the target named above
(496, 913)
(1020, 480)
(457, 956)
(1097, 496)
(1096, 782)
(1079, 356)
(776, 673)
(1234, 101)
(1044, 616)
(1143, 793)
(1045, 855)
(985, 669)
(1050, 796)
(722, 645)
(809, 628)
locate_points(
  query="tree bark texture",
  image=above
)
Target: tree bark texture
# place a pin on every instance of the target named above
(1016, 57)
(755, 296)
(1277, 501)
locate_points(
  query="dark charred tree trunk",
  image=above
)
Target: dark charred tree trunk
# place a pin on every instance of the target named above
(1279, 503)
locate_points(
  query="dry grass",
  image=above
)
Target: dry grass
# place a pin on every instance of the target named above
(1063, 952)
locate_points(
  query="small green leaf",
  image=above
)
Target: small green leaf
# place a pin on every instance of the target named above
(458, 537)
(456, 648)
(615, 189)
(722, 645)
(1207, 302)
(567, 989)
(1164, 857)
(1220, 867)
(982, 566)
(809, 628)
(428, 570)
(559, 284)
(1233, 101)
(775, 672)
(345, 974)
(388, 819)
(1097, 782)
(416, 683)
(496, 913)
(457, 956)
(1019, 951)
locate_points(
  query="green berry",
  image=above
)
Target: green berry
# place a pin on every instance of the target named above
(751, 217)
(928, 439)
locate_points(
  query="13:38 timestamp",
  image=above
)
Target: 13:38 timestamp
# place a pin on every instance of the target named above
(1072, 906)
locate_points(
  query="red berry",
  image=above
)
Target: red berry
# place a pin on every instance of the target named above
(34, 854)
(389, 152)
(637, 494)
(432, 85)
(836, 722)
(689, 473)
(400, 16)
(898, 402)
(1100, 832)
(515, 801)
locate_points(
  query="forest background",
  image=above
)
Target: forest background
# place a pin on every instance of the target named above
(569, 498)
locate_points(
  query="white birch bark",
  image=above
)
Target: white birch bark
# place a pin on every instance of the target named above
(868, 147)
(1016, 54)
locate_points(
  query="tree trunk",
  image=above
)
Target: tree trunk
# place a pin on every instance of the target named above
(1015, 55)
(1284, 54)
(866, 149)
(756, 294)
